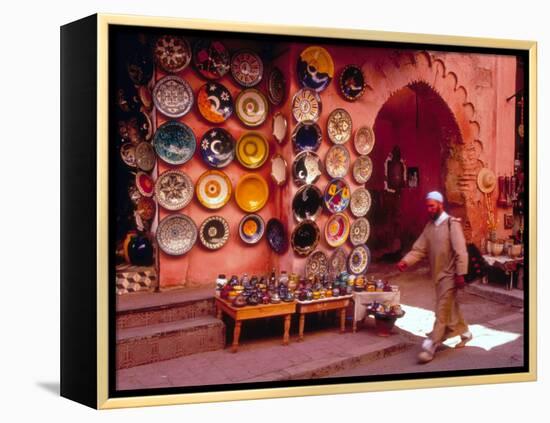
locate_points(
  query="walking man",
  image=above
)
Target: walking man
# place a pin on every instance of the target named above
(442, 241)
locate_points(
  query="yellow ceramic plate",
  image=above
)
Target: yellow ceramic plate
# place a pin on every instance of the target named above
(252, 192)
(252, 150)
(213, 189)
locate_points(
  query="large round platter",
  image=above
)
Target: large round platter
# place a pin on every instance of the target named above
(251, 228)
(307, 168)
(145, 156)
(337, 195)
(315, 68)
(360, 202)
(128, 154)
(307, 203)
(217, 147)
(214, 232)
(364, 140)
(247, 68)
(359, 260)
(173, 96)
(316, 264)
(306, 105)
(211, 58)
(252, 150)
(279, 170)
(276, 86)
(352, 82)
(174, 190)
(360, 231)
(252, 192)
(176, 234)
(145, 184)
(337, 229)
(146, 208)
(307, 136)
(305, 237)
(213, 189)
(251, 107)
(337, 161)
(337, 262)
(279, 127)
(174, 142)
(276, 236)
(172, 53)
(362, 169)
(215, 102)
(339, 126)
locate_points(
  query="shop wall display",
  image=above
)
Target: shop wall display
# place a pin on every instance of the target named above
(236, 173)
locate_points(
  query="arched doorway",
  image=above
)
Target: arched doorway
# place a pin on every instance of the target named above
(419, 122)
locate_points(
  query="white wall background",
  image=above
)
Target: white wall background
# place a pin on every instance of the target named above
(29, 211)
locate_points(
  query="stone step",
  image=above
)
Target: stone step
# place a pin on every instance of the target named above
(513, 297)
(165, 341)
(153, 308)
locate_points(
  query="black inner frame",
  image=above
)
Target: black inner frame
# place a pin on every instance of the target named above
(118, 30)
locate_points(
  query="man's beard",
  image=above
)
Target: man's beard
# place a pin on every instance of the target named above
(436, 215)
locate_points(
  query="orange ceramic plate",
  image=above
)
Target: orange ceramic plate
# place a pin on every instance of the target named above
(252, 150)
(337, 229)
(252, 192)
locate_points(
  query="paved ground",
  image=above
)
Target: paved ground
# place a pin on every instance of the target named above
(497, 328)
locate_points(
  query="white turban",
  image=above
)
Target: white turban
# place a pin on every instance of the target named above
(435, 195)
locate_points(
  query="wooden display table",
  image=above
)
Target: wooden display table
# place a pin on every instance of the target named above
(364, 298)
(238, 314)
(325, 304)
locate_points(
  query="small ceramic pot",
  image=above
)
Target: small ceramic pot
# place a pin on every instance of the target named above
(498, 248)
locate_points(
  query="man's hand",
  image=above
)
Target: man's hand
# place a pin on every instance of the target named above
(402, 265)
(459, 281)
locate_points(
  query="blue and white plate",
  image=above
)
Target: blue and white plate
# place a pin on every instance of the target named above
(174, 142)
(307, 136)
(217, 147)
(359, 260)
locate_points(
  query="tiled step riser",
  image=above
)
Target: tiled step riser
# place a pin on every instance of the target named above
(191, 310)
(166, 346)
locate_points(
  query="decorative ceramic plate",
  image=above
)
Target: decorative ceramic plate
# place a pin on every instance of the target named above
(251, 106)
(214, 232)
(337, 161)
(217, 147)
(211, 58)
(307, 136)
(174, 190)
(307, 203)
(307, 168)
(136, 128)
(279, 170)
(339, 126)
(128, 154)
(352, 82)
(337, 195)
(247, 68)
(279, 127)
(133, 194)
(174, 142)
(145, 156)
(139, 63)
(305, 237)
(364, 140)
(360, 231)
(252, 150)
(315, 68)
(173, 96)
(276, 236)
(276, 86)
(251, 228)
(359, 260)
(215, 102)
(145, 184)
(360, 202)
(252, 192)
(145, 97)
(306, 105)
(337, 229)
(316, 264)
(146, 208)
(213, 189)
(176, 234)
(362, 169)
(172, 53)
(337, 262)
